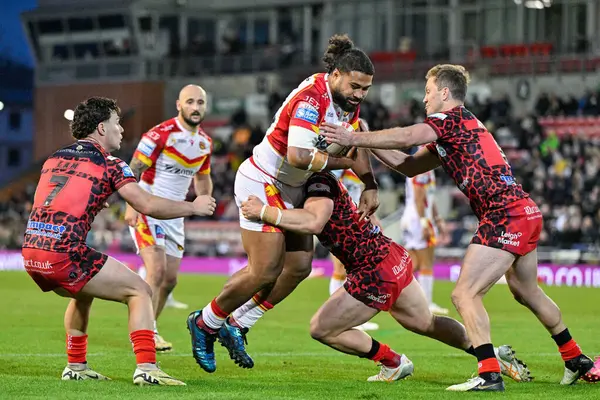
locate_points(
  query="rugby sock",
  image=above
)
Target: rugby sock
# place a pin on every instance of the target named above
(383, 354)
(76, 349)
(143, 346)
(212, 317)
(426, 281)
(569, 349)
(155, 328)
(487, 363)
(336, 282)
(248, 314)
(470, 350)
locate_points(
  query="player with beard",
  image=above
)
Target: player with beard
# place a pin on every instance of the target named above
(166, 160)
(280, 165)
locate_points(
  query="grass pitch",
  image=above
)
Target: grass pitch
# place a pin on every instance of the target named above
(289, 364)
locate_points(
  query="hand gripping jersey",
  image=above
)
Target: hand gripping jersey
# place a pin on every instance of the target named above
(296, 124)
(75, 183)
(174, 156)
(471, 156)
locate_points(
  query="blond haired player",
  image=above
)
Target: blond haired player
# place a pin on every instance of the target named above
(167, 159)
(421, 225)
(510, 222)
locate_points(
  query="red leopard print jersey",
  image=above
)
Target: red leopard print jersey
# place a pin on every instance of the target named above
(356, 244)
(471, 156)
(75, 183)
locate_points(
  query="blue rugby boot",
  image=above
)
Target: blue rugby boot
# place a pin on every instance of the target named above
(233, 337)
(202, 343)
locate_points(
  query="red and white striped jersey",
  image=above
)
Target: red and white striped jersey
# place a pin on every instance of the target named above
(174, 156)
(296, 124)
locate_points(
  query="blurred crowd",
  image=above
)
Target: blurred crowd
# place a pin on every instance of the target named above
(561, 173)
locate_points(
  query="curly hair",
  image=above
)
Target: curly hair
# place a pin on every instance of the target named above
(454, 77)
(342, 55)
(90, 113)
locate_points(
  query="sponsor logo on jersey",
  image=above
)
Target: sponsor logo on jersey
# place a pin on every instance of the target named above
(166, 128)
(441, 151)
(312, 101)
(44, 229)
(126, 170)
(531, 210)
(509, 180)
(382, 298)
(508, 238)
(307, 113)
(153, 135)
(43, 265)
(146, 147)
(159, 232)
(174, 169)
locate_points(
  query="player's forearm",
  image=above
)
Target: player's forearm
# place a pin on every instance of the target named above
(137, 167)
(297, 220)
(316, 160)
(363, 169)
(394, 138)
(203, 186)
(161, 208)
(396, 160)
(335, 163)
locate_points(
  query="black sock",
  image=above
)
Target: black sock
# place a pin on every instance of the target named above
(374, 349)
(562, 337)
(471, 351)
(484, 352)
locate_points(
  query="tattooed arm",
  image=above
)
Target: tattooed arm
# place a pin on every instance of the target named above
(137, 167)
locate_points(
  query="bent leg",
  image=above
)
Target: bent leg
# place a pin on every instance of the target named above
(332, 324)
(411, 310)
(522, 281)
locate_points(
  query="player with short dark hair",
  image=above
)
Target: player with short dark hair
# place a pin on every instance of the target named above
(379, 278)
(74, 184)
(509, 221)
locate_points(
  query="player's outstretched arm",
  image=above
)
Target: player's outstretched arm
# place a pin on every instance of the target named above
(422, 161)
(308, 220)
(394, 138)
(161, 208)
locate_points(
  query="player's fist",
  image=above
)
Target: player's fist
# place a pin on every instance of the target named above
(251, 208)
(204, 205)
(131, 216)
(428, 233)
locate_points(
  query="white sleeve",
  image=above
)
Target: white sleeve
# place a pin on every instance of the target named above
(302, 137)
